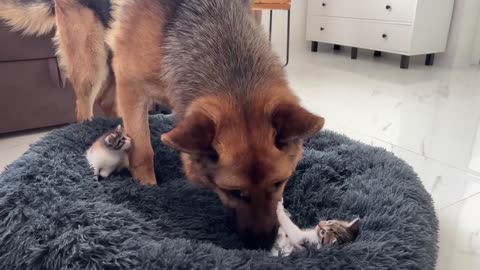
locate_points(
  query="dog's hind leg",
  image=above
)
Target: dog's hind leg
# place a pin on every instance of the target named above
(107, 99)
(82, 52)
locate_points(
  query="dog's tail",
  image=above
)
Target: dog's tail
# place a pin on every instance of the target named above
(32, 17)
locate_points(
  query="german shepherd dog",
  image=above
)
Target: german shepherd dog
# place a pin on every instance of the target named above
(240, 129)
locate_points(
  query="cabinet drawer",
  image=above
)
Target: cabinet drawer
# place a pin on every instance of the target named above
(360, 33)
(385, 10)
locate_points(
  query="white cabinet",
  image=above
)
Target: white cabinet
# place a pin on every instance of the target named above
(406, 27)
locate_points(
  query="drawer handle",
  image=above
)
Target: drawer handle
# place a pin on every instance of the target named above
(321, 28)
(324, 4)
(388, 7)
(385, 36)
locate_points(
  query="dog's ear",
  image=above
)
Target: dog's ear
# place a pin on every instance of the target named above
(292, 122)
(194, 135)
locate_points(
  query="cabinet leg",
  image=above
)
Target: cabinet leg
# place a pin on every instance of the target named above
(337, 47)
(430, 59)
(288, 39)
(354, 53)
(405, 62)
(377, 53)
(270, 26)
(314, 46)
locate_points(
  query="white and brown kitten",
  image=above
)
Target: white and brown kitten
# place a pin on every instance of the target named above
(109, 153)
(327, 233)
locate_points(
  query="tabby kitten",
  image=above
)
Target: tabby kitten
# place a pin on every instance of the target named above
(109, 153)
(327, 233)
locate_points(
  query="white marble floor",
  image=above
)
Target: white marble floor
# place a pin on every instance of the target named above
(428, 116)
(12, 146)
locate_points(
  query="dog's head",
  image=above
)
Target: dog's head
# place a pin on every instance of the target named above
(245, 154)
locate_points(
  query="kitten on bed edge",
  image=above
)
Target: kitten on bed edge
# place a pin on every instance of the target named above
(109, 153)
(290, 238)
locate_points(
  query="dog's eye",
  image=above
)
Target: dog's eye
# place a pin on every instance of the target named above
(212, 156)
(280, 183)
(239, 194)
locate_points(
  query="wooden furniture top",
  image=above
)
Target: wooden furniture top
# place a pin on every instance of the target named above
(272, 4)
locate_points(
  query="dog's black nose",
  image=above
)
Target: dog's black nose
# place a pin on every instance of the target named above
(254, 240)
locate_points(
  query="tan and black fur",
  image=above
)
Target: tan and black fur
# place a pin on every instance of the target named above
(239, 126)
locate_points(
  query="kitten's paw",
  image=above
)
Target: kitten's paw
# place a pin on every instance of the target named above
(105, 174)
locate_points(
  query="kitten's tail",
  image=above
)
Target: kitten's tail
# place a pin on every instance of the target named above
(32, 17)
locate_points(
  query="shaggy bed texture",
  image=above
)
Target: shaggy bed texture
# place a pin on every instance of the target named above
(55, 215)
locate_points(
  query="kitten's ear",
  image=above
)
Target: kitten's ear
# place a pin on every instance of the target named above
(109, 139)
(354, 226)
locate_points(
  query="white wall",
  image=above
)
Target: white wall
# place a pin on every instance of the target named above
(297, 32)
(463, 47)
(476, 46)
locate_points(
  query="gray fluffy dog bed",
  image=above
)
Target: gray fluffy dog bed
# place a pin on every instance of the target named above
(55, 215)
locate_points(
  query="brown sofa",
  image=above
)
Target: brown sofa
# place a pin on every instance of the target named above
(33, 93)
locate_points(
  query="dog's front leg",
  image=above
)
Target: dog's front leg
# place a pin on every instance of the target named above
(133, 105)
